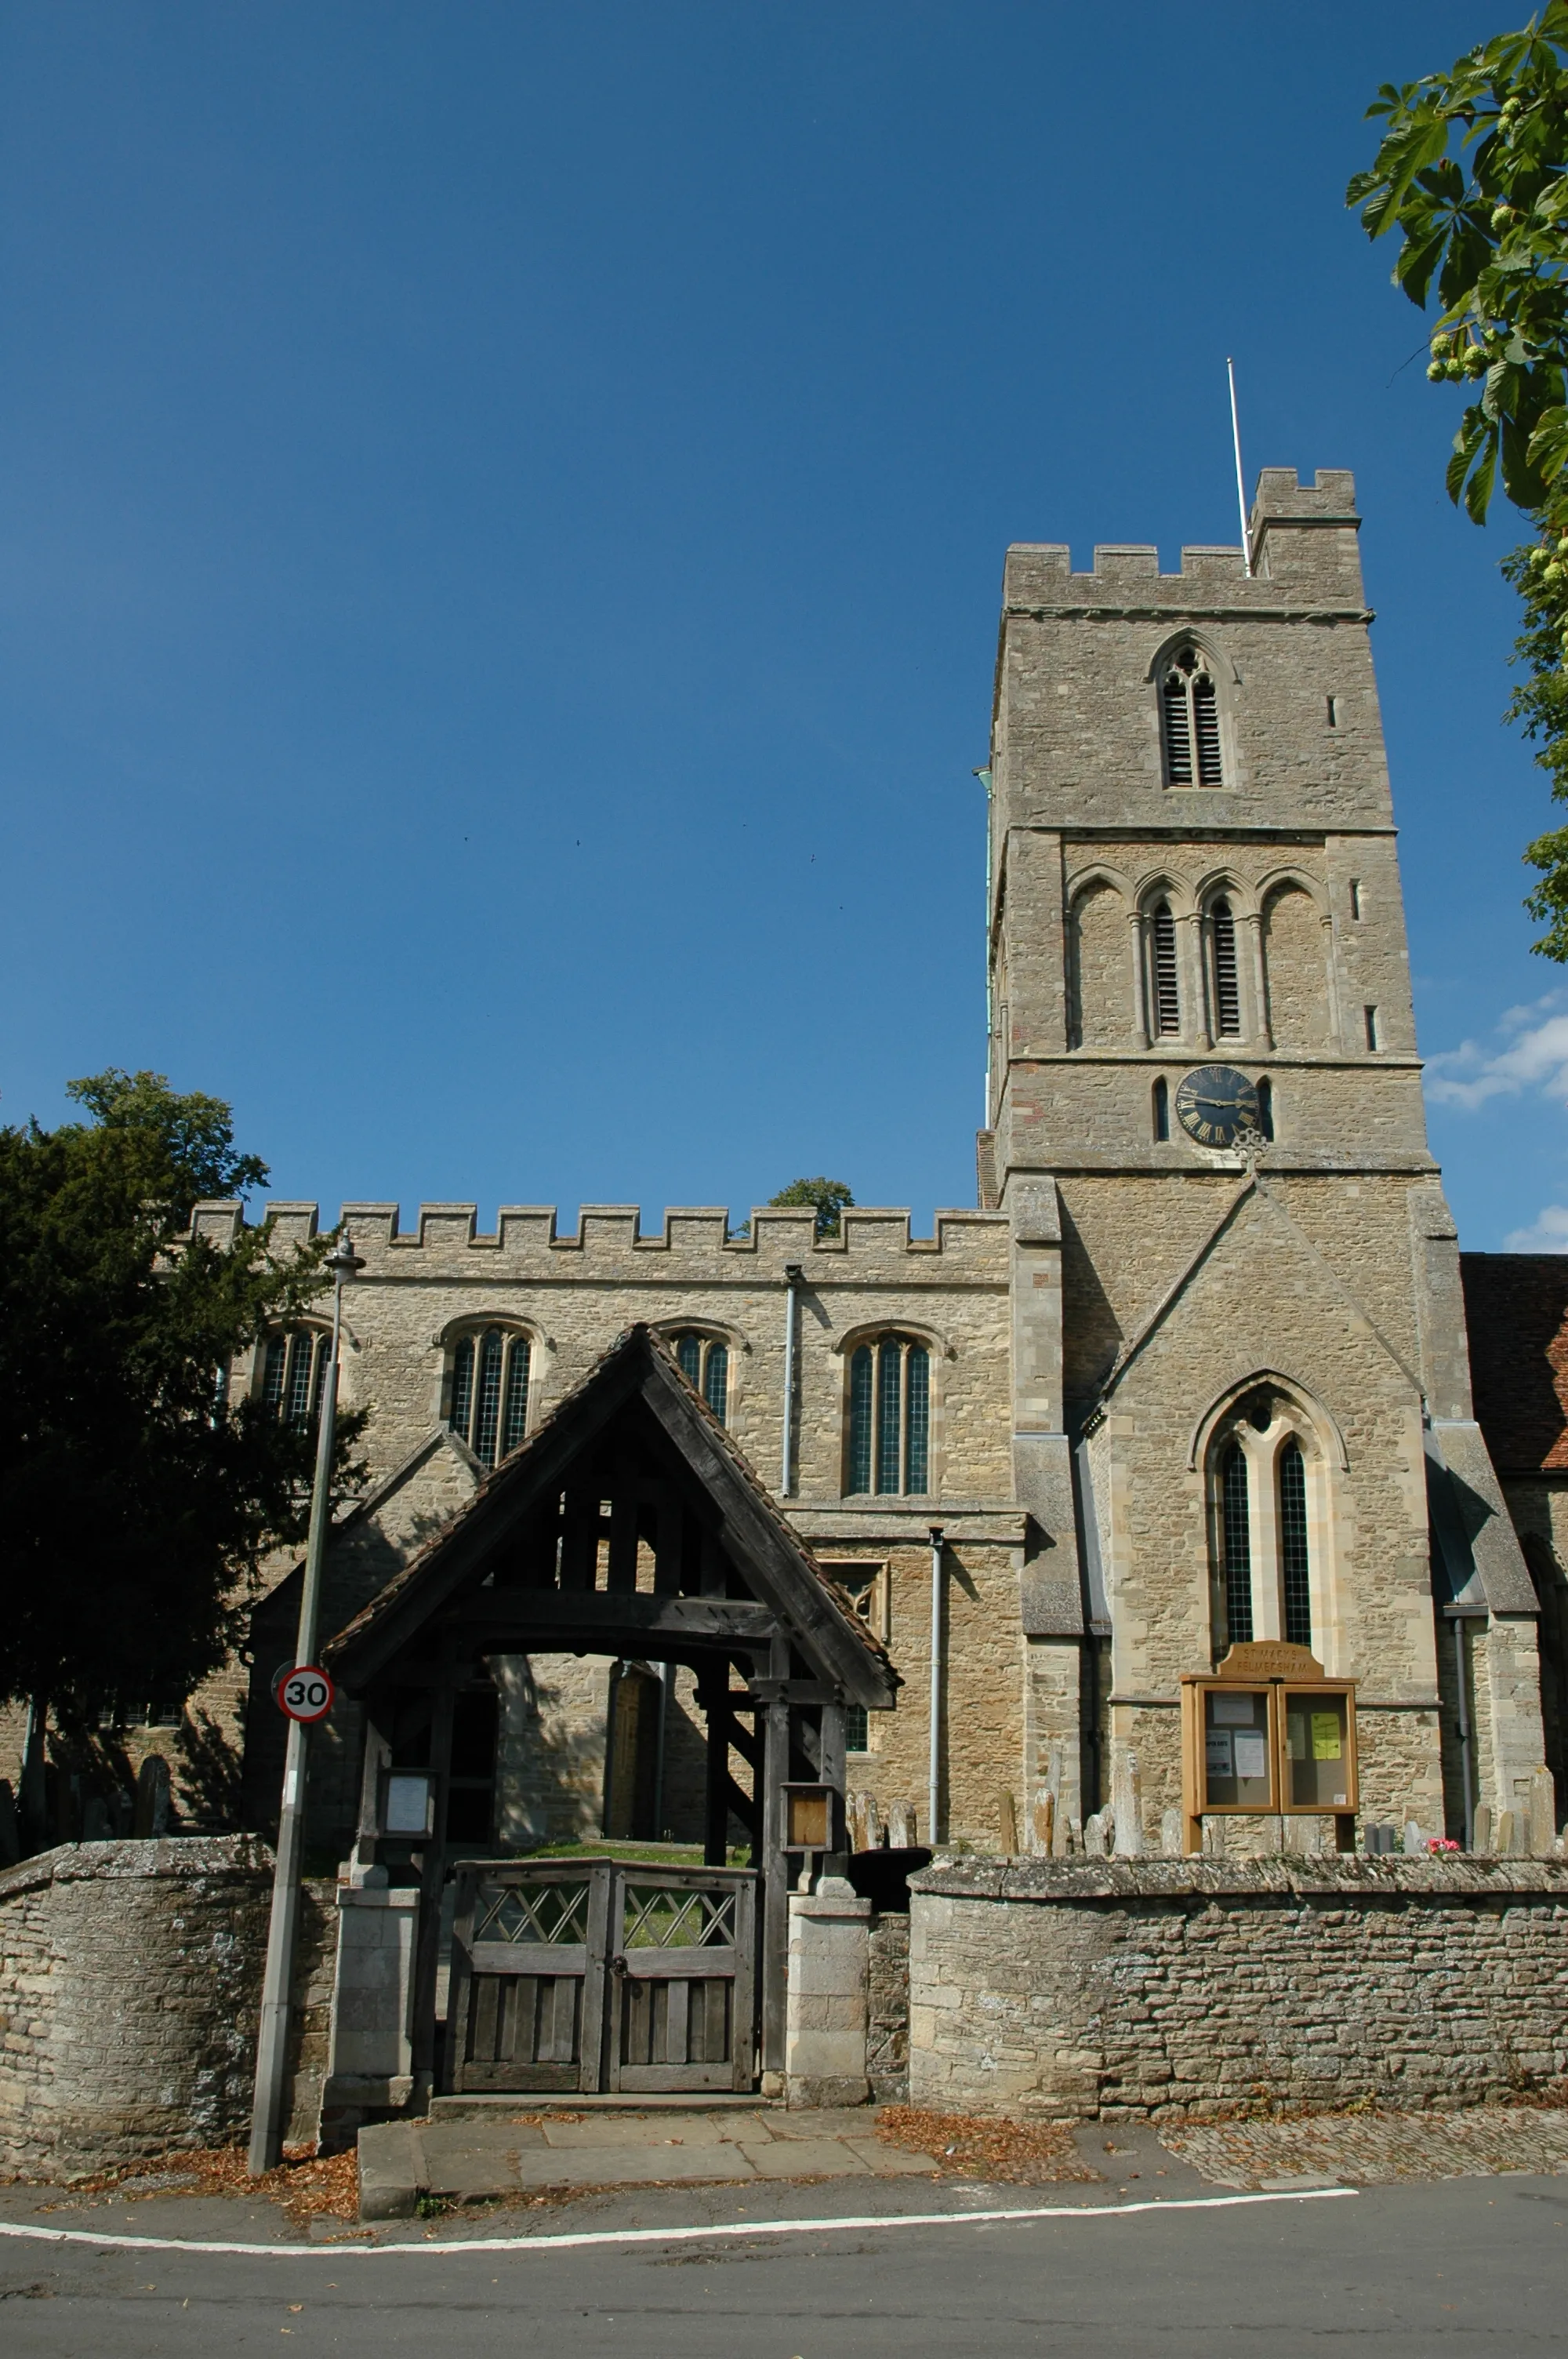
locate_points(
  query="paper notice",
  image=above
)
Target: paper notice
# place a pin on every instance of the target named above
(1251, 1753)
(1296, 1736)
(1216, 1753)
(1326, 1746)
(1231, 1710)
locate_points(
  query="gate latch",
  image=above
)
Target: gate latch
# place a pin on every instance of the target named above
(616, 1965)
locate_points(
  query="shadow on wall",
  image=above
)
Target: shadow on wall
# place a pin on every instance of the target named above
(99, 1787)
(211, 1776)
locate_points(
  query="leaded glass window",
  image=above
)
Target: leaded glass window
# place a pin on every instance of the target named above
(704, 1363)
(1237, 1531)
(488, 1404)
(890, 1418)
(1295, 1569)
(293, 1371)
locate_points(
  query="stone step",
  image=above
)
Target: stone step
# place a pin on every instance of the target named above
(479, 2108)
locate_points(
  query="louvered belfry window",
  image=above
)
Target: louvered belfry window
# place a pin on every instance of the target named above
(1226, 987)
(1190, 711)
(490, 1392)
(1166, 1009)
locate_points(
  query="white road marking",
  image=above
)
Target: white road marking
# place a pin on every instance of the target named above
(433, 2248)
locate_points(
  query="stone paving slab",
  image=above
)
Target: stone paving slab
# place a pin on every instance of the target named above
(459, 2160)
(623, 2166)
(662, 2130)
(805, 2159)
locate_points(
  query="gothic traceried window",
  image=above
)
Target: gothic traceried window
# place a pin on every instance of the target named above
(293, 1371)
(1295, 1565)
(864, 1588)
(1264, 1467)
(705, 1362)
(1189, 713)
(489, 1400)
(890, 1417)
(1237, 1542)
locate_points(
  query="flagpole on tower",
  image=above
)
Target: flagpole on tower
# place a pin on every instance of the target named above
(1240, 479)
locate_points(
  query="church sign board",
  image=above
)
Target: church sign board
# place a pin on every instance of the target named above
(1268, 1735)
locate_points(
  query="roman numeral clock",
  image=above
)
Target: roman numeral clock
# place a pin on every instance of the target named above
(1216, 1104)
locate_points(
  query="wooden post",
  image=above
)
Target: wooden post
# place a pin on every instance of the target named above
(774, 1863)
(714, 1697)
(377, 1758)
(433, 1879)
(832, 1767)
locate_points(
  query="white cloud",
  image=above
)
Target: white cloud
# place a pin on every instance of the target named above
(1550, 1233)
(1535, 1057)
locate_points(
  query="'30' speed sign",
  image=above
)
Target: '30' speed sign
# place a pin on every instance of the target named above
(304, 1692)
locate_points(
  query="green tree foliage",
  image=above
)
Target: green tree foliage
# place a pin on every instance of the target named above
(136, 1498)
(828, 1198)
(1472, 174)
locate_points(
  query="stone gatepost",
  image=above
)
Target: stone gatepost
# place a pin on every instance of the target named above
(370, 2063)
(827, 2005)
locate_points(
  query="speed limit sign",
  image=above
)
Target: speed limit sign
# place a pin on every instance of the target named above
(303, 1691)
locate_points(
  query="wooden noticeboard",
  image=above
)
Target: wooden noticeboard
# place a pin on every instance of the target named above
(1267, 1734)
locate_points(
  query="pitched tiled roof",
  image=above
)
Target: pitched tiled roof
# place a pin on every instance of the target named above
(639, 1346)
(1515, 1307)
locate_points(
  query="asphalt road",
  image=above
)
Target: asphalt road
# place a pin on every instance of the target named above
(1466, 2266)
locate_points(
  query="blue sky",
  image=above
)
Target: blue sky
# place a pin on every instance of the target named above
(502, 527)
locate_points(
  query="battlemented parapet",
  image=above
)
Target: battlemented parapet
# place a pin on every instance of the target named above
(692, 1240)
(1302, 539)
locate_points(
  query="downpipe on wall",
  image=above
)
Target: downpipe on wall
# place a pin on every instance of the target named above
(933, 1764)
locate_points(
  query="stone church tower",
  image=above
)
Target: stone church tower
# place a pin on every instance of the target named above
(1195, 1370)
(1240, 1369)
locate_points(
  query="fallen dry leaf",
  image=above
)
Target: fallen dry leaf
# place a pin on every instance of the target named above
(987, 2146)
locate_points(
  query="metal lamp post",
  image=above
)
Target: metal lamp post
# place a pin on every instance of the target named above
(267, 2115)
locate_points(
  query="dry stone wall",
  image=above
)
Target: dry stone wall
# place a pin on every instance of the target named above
(130, 1974)
(1165, 1989)
(887, 2011)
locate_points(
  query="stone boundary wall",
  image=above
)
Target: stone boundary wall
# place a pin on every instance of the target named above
(887, 2011)
(1191, 1988)
(130, 1974)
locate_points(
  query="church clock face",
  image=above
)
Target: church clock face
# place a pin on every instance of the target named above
(1216, 1102)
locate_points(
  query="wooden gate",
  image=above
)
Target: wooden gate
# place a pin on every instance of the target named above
(594, 1975)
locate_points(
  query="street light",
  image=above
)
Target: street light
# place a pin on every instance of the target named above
(267, 2115)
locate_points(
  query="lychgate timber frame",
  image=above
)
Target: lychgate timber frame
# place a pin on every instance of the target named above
(629, 1525)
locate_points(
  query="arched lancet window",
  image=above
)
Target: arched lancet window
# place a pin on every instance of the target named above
(890, 1417)
(488, 1406)
(1266, 1107)
(1164, 991)
(1237, 1542)
(1189, 709)
(705, 1361)
(293, 1371)
(1295, 1569)
(1226, 979)
(1162, 1107)
(1263, 1463)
